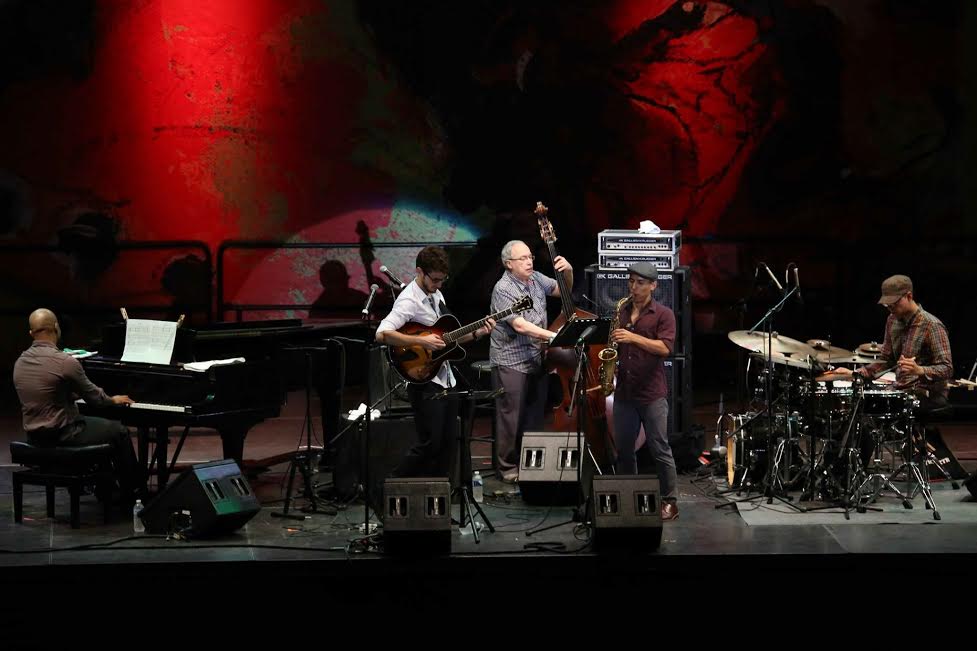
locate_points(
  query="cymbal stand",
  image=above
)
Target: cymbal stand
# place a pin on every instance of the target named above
(770, 479)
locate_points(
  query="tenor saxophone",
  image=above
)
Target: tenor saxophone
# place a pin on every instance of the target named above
(608, 356)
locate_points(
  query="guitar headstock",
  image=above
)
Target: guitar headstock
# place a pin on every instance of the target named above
(545, 227)
(523, 304)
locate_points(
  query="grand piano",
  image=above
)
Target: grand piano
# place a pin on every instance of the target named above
(228, 398)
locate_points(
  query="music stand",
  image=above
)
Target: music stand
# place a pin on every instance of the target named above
(304, 458)
(463, 490)
(579, 333)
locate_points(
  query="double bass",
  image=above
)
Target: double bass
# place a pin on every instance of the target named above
(595, 427)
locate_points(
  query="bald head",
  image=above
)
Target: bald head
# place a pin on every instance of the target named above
(44, 325)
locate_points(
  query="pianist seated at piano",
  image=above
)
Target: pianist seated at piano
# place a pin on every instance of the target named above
(48, 381)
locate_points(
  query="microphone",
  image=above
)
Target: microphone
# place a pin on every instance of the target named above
(369, 301)
(797, 283)
(780, 288)
(394, 280)
(590, 300)
(589, 330)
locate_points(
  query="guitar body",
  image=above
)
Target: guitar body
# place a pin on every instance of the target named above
(417, 365)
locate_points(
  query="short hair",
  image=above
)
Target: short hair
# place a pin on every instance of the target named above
(507, 249)
(433, 258)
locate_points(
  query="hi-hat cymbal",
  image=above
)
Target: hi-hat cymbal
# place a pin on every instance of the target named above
(785, 360)
(825, 352)
(870, 349)
(756, 342)
(854, 359)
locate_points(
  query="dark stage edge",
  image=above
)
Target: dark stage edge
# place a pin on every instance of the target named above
(704, 544)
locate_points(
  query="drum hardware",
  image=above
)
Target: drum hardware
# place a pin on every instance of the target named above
(916, 446)
(787, 352)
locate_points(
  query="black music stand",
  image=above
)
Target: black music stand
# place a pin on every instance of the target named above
(463, 490)
(578, 333)
(304, 458)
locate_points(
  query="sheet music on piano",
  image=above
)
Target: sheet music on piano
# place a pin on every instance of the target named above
(149, 341)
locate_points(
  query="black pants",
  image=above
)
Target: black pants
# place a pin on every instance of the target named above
(90, 430)
(435, 421)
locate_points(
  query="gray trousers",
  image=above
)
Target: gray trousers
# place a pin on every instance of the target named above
(628, 418)
(520, 408)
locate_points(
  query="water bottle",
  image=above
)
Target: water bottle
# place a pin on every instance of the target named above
(137, 525)
(478, 486)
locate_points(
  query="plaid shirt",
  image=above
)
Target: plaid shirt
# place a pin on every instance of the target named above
(924, 337)
(523, 353)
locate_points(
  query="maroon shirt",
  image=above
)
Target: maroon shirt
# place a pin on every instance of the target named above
(47, 382)
(640, 374)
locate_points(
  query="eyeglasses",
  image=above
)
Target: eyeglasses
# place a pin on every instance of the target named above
(891, 305)
(523, 258)
(436, 281)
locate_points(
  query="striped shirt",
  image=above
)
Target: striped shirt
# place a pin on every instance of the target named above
(924, 337)
(414, 304)
(508, 348)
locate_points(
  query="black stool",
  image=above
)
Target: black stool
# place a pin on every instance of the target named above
(71, 468)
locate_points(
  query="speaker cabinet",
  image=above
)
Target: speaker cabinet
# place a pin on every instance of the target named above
(209, 499)
(608, 287)
(626, 512)
(390, 439)
(416, 515)
(548, 464)
(678, 377)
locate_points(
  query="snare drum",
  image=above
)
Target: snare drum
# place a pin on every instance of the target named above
(886, 403)
(830, 399)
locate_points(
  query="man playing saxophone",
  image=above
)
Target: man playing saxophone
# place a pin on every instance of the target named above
(644, 336)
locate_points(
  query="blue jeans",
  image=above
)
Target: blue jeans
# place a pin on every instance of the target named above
(628, 418)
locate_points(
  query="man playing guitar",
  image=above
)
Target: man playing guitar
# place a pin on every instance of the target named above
(422, 302)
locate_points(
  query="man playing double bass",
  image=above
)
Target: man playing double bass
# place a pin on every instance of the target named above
(516, 352)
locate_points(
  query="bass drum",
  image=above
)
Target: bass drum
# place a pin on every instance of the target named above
(746, 455)
(747, 458)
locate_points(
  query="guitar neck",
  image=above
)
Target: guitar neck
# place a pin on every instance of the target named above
(454, 335)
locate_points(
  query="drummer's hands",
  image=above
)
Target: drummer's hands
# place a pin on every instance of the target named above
(835, 374)
(909, 366)
(622, 336)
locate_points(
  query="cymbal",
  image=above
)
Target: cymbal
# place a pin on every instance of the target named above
(854, 359)
(757, 342)
(870, 349)
(785, 360)
(825, 352)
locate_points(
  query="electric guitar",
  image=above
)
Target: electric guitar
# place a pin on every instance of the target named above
(417, 365)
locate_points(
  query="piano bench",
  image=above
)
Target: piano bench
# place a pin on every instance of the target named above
(71, 468)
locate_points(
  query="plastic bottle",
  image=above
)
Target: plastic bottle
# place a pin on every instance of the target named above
(137, 524)
(478, 487)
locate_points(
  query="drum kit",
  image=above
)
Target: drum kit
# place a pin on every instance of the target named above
(811, 425)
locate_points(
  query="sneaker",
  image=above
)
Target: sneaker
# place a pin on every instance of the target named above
(510, 476)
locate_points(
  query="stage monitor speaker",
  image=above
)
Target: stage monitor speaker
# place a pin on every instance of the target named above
(548, 463)
(390, 439)
(417, 515)
(209, 499)
(608, 287)
(626, 512)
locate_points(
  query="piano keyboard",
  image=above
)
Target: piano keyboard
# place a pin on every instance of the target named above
(149, 406)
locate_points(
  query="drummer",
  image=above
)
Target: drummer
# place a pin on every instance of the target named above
(916, 346)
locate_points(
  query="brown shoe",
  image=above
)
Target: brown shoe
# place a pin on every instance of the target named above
(669, 511)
